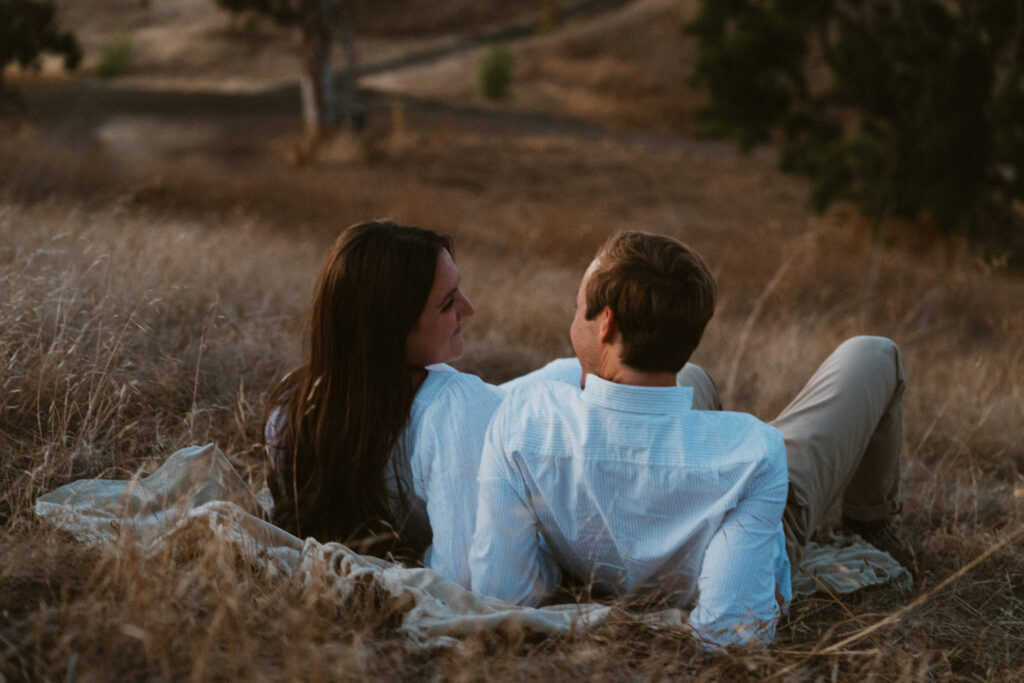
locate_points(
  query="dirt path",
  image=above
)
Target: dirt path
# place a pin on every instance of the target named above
(141, 121)
(504, 32)
(155, 116)
(535, 166)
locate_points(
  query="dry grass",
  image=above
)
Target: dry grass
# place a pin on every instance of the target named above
(629, 67)
(150, 296)
(125, 335)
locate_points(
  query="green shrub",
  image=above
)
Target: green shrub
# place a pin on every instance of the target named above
(496, 72)
(115, 55)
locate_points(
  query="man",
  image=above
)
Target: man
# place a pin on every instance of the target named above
(625, 485)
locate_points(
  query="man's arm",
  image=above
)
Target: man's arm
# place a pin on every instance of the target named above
(506, 560)
(564, 370)
(736, 588)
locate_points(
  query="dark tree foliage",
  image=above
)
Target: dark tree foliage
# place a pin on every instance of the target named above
(908, 108)
(27, 30)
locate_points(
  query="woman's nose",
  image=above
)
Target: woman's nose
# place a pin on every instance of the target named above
(465, 308)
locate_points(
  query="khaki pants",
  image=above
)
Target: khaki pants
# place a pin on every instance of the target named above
(843, 433)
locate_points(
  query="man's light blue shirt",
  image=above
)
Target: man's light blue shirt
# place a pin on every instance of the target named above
(631, 491)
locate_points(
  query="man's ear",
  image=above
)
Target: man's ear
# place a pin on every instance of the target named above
(607, 329)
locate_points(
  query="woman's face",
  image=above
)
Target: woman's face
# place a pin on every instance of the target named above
(437, 336)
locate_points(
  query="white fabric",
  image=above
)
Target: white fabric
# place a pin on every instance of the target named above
(443, 441)
(632, 491)
(196, 494)
(565, 370)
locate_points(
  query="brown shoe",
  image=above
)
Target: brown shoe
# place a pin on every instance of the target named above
(880, 534)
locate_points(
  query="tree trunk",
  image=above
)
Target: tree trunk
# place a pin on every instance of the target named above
(317, 79)
(352, 113)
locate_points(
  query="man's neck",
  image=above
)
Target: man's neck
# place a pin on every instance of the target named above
(612, 369)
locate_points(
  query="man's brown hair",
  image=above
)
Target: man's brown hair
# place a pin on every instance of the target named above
(661, 294)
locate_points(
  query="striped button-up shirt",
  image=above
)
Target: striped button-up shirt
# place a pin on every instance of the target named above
(630, 490)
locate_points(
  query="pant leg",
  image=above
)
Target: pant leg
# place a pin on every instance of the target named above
(843, 434)
(705, 392)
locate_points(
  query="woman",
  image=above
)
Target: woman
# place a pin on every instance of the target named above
(371, 441)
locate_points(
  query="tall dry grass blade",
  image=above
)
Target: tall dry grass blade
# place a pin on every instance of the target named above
(897, 615)
(748, 325)
(842, 605)
(931, 427)
(195, 380)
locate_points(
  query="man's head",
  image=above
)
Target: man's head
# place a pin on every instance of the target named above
(652, 291)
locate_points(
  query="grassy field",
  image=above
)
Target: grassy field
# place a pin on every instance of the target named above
(156, 259)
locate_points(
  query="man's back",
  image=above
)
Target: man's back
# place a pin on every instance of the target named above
(633, 491)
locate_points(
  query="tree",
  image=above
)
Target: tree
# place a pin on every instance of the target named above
(319, 22)
(908, 108)
(27, 30)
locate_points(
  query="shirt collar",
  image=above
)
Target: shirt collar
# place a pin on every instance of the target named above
(635, 399)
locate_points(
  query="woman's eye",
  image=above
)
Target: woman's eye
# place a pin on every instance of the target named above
(448, 305)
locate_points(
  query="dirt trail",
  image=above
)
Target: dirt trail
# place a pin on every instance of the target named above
(78, 110)
(505, 32)
(538, 163)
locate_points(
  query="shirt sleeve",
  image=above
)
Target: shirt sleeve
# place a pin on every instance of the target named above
(450, 446)
(736, 588)
(507, 560)
(565, 370)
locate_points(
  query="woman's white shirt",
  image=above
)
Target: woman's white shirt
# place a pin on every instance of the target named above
(442, 443)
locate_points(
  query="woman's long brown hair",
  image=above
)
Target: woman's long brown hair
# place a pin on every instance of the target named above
(343, 411)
